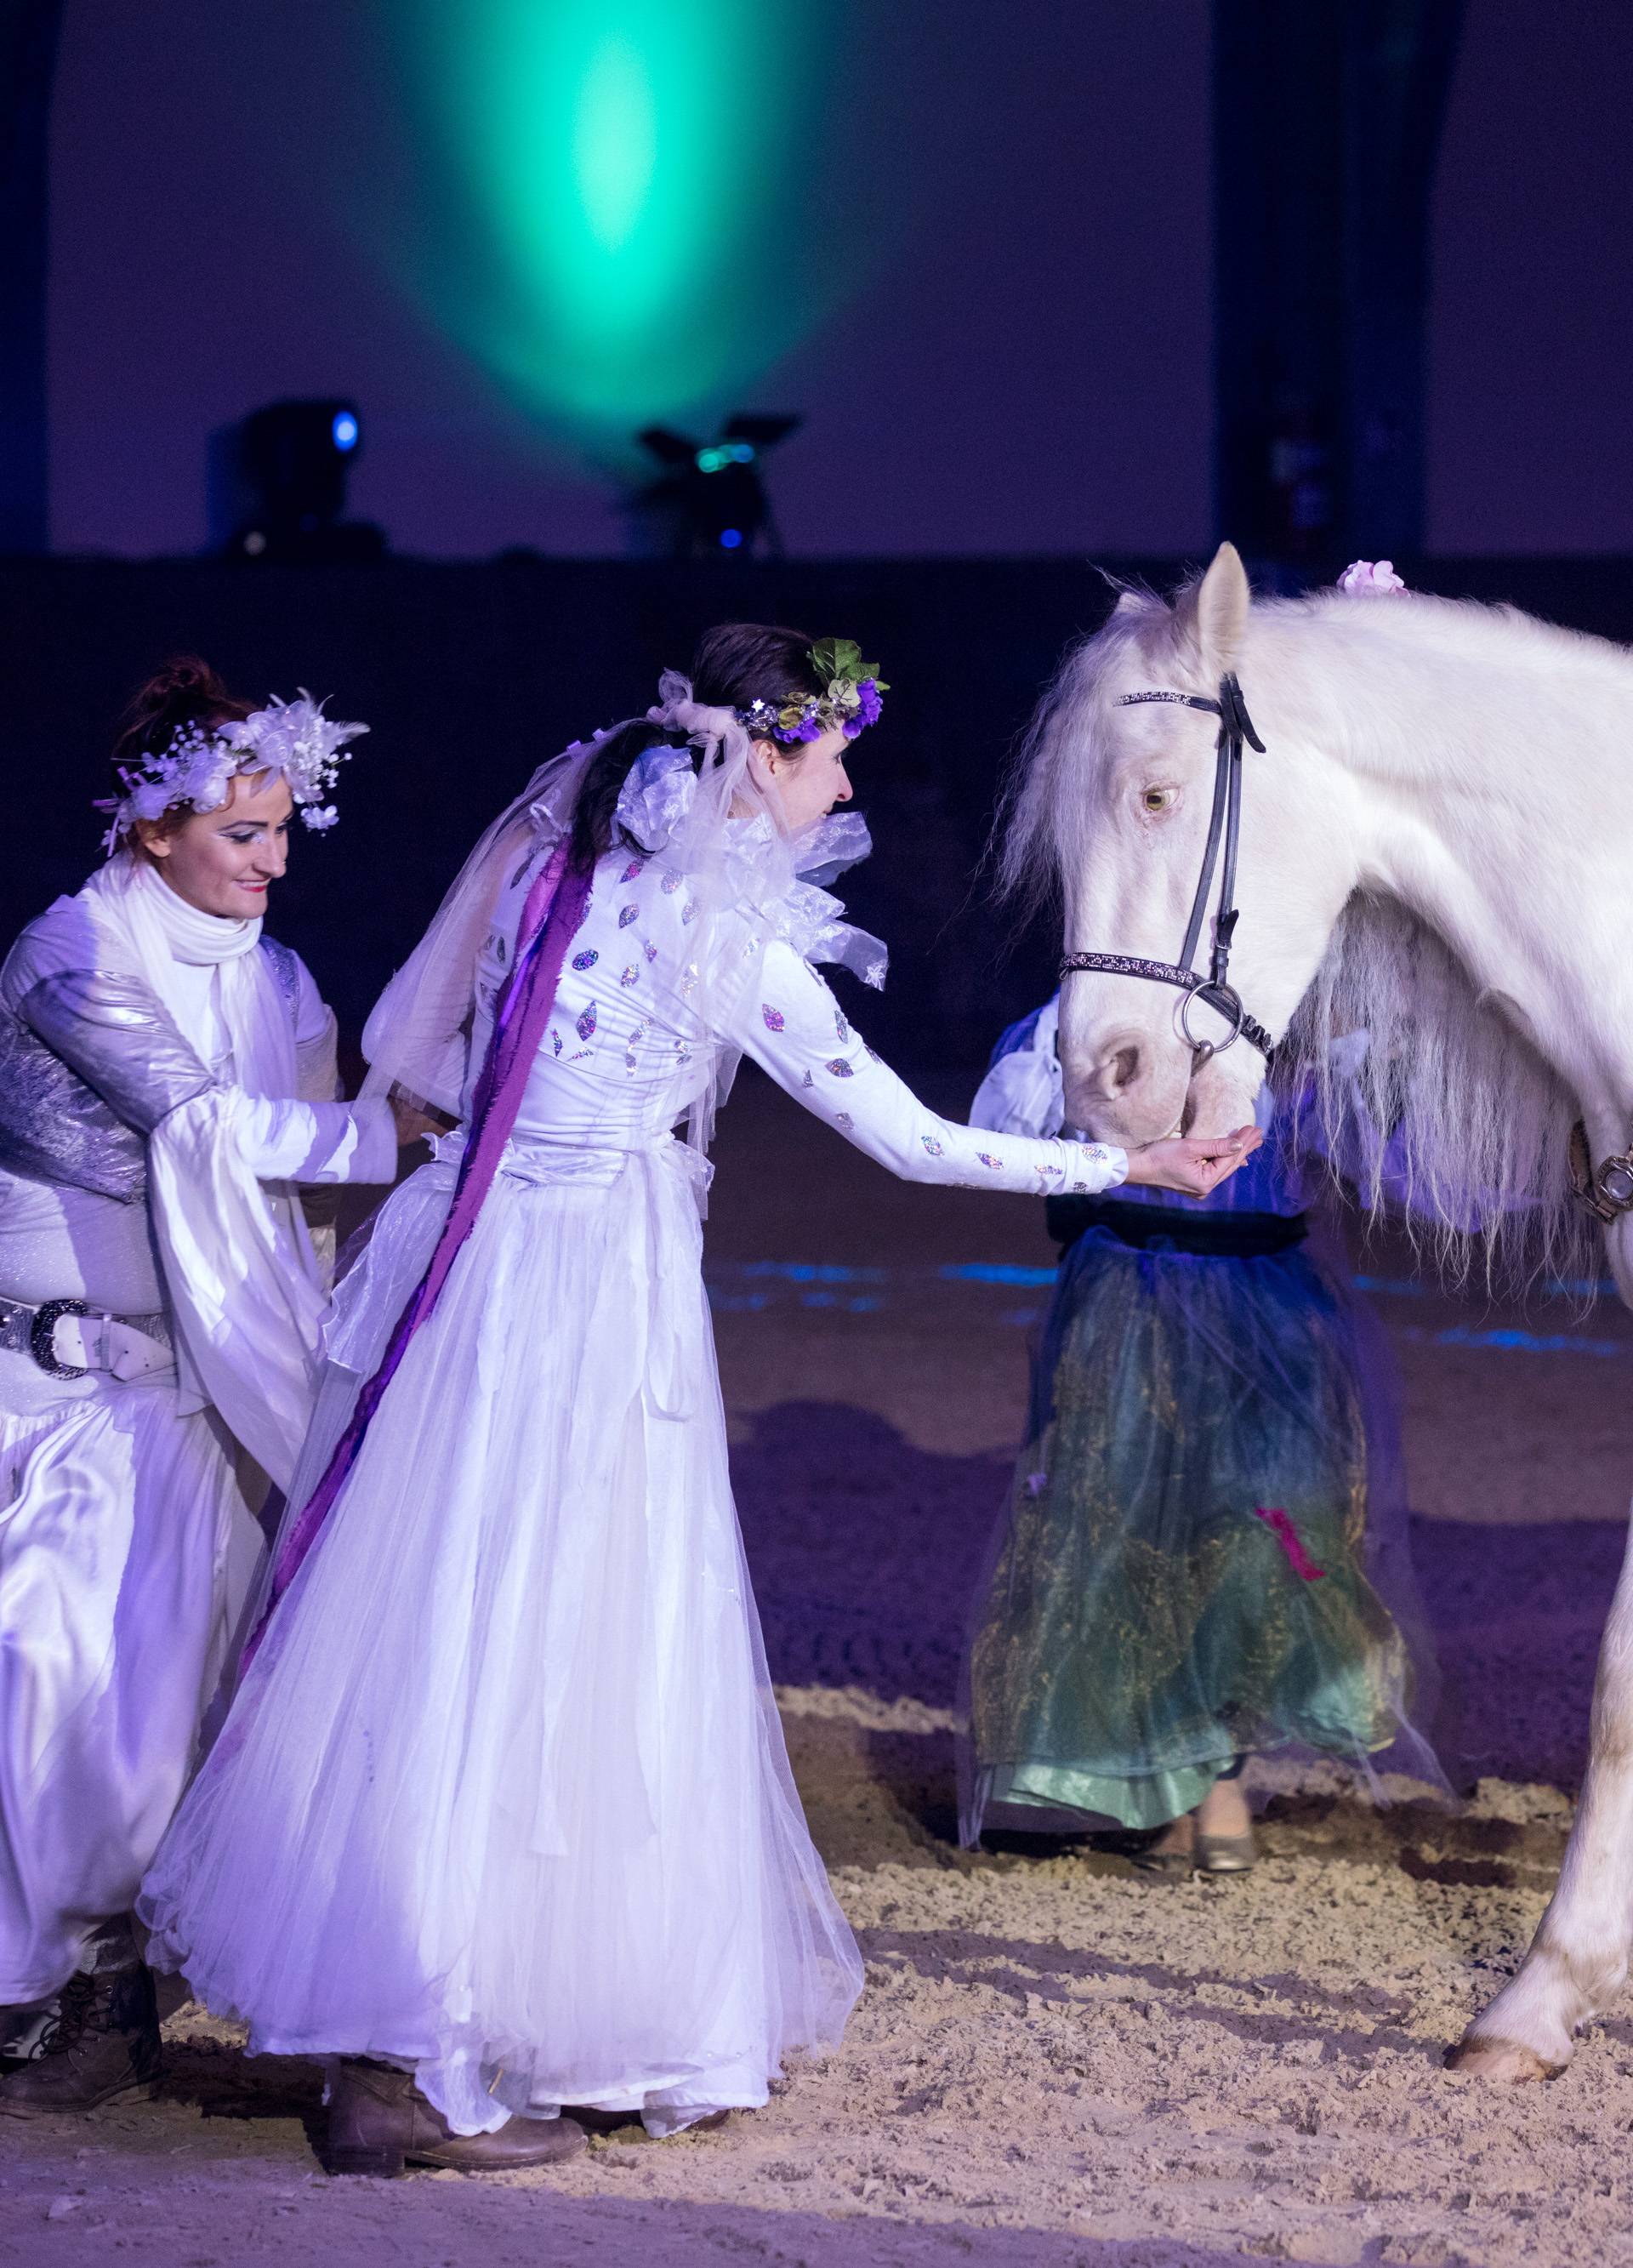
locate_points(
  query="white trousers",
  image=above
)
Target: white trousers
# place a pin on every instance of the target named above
(125, 1551)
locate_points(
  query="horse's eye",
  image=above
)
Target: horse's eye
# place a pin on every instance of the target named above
(1158, 799)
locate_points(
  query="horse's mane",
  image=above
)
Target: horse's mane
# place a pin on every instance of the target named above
(1480, 1123)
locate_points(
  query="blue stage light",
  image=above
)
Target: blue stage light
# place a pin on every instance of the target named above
(731, 538)
(279, 480)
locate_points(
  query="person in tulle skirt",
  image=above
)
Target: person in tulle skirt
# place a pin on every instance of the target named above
(1205, 1550)
(501, 1815)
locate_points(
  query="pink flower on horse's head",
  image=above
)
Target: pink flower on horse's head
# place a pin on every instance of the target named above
(1369, 578)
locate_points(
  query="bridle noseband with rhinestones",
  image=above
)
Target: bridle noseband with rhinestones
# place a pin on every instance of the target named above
(1214, 989)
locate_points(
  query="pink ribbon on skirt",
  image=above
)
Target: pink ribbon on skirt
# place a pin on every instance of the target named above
(1280, 1525)
(552, 915)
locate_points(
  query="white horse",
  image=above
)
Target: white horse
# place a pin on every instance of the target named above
(1436, 844)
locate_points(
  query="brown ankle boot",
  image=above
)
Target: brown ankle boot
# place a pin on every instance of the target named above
(102, 2042)
(379, 2122)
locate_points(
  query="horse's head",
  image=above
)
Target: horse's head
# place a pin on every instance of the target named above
(1120, 798)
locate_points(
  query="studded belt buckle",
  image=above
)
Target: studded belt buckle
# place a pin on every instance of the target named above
(42, 1338)
(1607, 1193)
(1613, 1183)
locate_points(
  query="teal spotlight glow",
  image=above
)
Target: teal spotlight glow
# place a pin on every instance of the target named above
(616, 245)
(614, 143)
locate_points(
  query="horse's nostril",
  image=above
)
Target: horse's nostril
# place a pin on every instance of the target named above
(1125, 1068)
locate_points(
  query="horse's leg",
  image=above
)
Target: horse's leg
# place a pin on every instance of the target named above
(1579, 1958)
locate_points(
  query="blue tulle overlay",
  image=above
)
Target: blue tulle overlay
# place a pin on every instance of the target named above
(1204, 1524)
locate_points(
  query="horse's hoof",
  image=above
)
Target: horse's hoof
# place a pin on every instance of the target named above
(1507, 2061)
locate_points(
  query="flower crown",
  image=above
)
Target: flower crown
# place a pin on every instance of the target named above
(292, 738)
(851, 699)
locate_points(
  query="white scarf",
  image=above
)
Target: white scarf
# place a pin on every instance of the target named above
(245, 1300)
(131, 900)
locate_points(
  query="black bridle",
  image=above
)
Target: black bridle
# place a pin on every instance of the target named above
(1214, 988)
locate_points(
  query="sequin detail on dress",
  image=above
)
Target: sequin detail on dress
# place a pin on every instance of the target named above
(632, 870)
(988, 1159)
(627, 913)
(774, 1018)
(585, 1025)
(585, 960)
(845, 1123)
(932, 1146)
(670, 884)
(630, 974)
(840, 1068)
(840, 1024)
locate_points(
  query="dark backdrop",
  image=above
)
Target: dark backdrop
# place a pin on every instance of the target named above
(469, 675)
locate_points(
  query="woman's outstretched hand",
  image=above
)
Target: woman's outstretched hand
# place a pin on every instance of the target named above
(1194, 1168)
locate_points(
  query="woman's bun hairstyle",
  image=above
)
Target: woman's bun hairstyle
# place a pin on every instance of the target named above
(184, 690)
(736, 664)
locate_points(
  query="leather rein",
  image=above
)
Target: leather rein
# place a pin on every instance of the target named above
(1214, 989)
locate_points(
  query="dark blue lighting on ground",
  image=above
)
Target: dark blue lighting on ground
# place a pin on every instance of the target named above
(868, 1291)
(344, 432)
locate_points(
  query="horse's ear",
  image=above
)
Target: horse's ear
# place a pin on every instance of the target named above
(1212, 616)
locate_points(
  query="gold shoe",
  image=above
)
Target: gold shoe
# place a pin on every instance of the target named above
(1226, 1855)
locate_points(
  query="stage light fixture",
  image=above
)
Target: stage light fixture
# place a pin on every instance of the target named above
(712, 496)
(278, 485)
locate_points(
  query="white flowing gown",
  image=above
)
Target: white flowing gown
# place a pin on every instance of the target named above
(503, 1797)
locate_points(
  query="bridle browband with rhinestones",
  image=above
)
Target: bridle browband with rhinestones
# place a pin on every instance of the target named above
(1214, 989)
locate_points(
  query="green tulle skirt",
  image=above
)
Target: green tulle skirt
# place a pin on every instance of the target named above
(1185, 1571)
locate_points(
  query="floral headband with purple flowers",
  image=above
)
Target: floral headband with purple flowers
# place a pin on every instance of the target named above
(852, 699)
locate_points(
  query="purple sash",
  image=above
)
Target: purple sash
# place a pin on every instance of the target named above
(555, 907)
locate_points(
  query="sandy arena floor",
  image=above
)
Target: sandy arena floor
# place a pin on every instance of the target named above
(1057, 2061)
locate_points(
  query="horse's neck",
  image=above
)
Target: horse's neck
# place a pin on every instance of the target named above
(1493, 792)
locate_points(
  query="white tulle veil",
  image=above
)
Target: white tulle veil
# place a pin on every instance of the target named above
(717, 817)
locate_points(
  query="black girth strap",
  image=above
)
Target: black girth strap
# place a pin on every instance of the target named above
(1236, 730)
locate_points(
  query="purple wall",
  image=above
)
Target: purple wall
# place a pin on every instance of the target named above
(1024, 370)
(1530, 442)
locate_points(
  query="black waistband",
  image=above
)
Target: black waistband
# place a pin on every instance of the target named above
(1214, 1235)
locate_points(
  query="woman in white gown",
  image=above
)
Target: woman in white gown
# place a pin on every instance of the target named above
(501, 1812)
(166, 1076)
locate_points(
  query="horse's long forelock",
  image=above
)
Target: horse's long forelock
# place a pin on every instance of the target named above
(1042, 824)
(1482, 1122)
